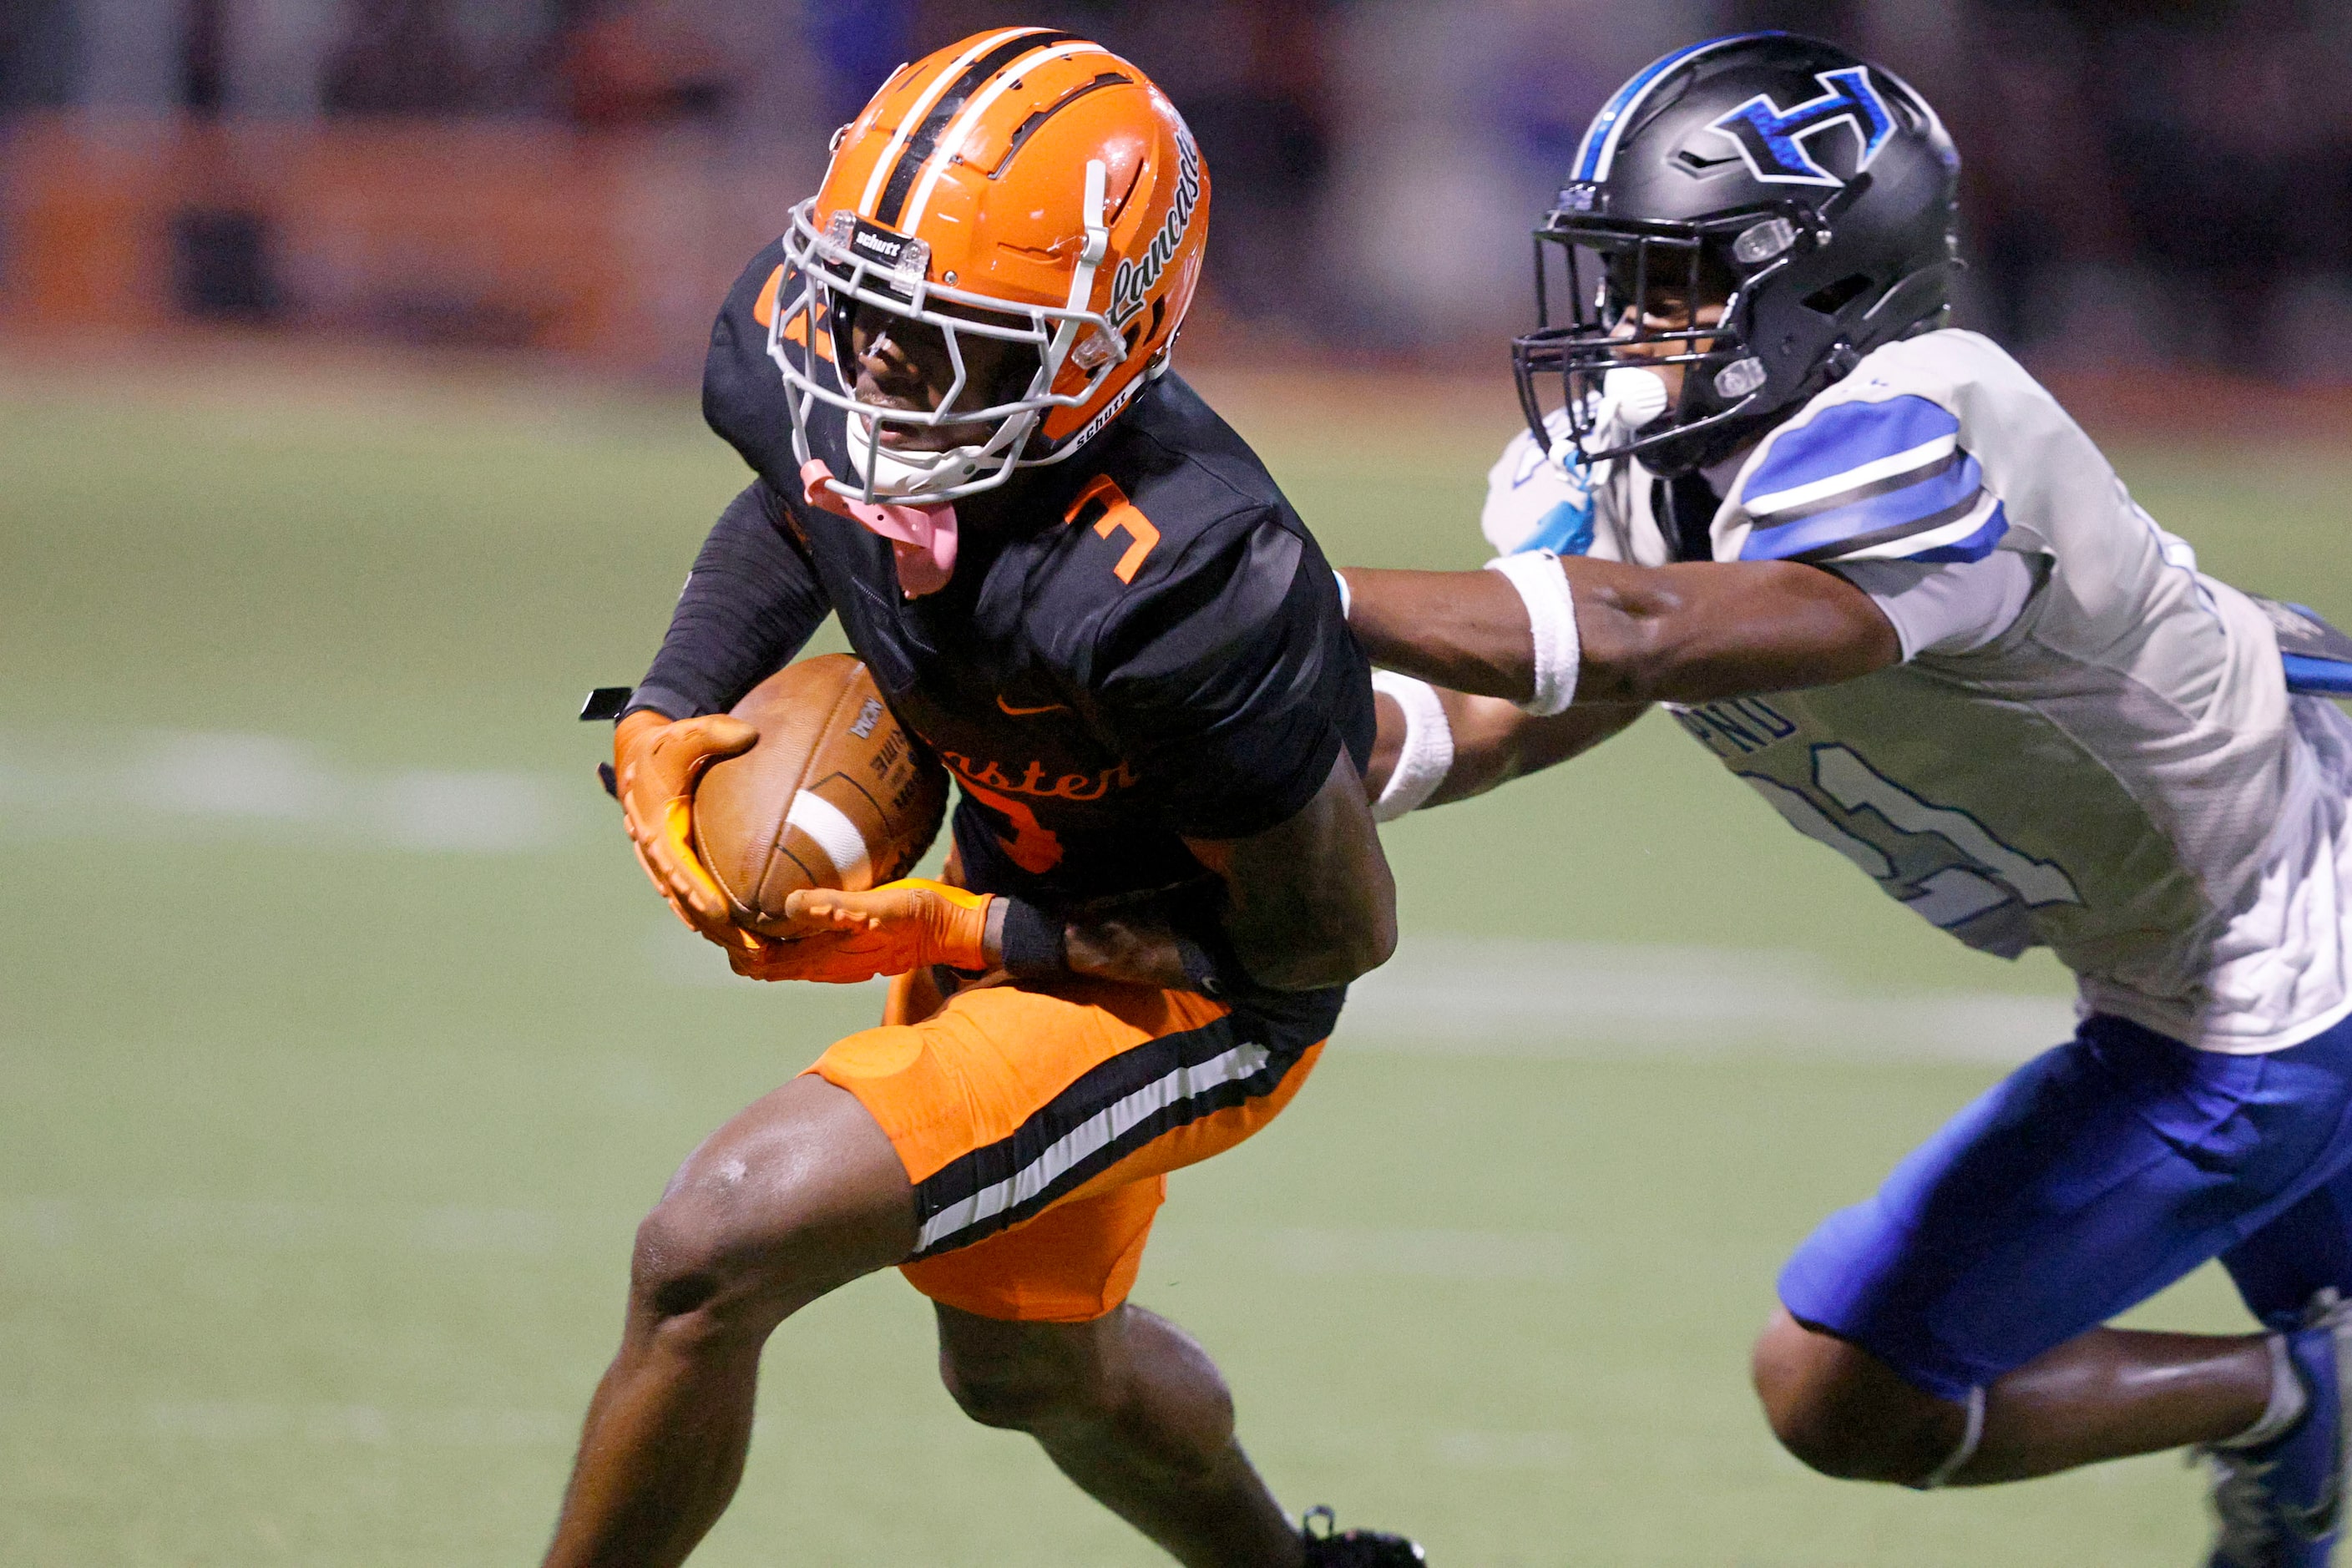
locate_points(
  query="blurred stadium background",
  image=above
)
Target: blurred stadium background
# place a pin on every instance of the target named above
(347, 433)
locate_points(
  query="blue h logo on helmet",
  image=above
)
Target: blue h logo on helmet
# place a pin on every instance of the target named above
(1772, 140)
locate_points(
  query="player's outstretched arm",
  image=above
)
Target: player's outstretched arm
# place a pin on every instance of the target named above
(1689, 633)
(1488, 742)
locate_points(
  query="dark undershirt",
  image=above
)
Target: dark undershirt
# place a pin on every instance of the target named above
(1686, 509)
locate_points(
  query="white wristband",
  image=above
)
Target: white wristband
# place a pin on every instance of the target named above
(1551, 618)
(1427, 754)
(1347, 600)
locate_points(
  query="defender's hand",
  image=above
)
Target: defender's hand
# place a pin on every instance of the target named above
(655, 764)
(898, 927)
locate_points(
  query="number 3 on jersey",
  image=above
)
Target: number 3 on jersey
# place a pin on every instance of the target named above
(1117, 515)
(1964, 872)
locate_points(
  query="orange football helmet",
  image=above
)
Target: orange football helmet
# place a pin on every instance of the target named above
(1044, 191)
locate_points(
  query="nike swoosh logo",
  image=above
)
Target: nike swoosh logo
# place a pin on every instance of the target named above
(1026, 712)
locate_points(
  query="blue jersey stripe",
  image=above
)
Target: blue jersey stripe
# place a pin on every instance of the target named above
(1596, 137)
(1845, 437)
(2317, 677)
(1941, 498)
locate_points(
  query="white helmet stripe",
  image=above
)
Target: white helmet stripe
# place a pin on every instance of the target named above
(921, 109)
(952, 142)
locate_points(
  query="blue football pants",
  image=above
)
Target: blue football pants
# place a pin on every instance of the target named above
(2083, 1184)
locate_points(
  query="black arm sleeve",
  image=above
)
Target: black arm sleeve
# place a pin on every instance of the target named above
(753, 602)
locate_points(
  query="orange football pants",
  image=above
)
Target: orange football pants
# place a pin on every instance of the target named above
(1039, 1122)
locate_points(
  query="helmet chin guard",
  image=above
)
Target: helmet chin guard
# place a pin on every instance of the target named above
(1755, 213)
(884, 472)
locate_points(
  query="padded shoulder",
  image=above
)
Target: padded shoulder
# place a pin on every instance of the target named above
(1877, 479)
(743, 395)
(1883, 466)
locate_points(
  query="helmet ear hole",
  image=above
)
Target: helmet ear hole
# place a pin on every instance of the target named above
(1829, 299)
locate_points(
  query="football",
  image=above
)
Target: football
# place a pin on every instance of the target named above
(836, 795)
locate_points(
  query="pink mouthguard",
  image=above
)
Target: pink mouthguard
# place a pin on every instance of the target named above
(923, 538)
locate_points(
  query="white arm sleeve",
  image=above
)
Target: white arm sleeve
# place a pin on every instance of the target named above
(1946, 606)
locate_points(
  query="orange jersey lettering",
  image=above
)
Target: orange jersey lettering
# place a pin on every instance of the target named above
(1119, 515)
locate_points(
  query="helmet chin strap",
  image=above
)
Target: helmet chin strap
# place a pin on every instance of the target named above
(1630, 398)
(890, 476)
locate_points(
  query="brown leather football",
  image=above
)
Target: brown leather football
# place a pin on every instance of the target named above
(836, 795)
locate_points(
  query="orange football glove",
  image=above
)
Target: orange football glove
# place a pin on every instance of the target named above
(654, 765)
(898, 927)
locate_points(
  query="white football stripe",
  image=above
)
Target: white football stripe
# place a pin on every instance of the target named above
(953, 142)
(1911, 545)
(921, 111)
(1464, 996)
(1919, 456)
(1096, 1132)
(206, 784)
(836, 836)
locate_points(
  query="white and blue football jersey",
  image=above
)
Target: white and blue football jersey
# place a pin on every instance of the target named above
(2089, 744)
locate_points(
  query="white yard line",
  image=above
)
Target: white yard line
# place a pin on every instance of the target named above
(1441, 995)
(196, 784)
(239, 1421)
(1478, 997)
(227, 1224)
(1407, 1254)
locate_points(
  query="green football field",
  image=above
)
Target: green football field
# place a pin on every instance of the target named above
(342, 1044)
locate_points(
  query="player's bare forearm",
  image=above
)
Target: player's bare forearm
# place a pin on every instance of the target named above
(1464, 630)
(1309, 902)
(1140, 951)
(1687, 633)
(1313, 903)
(1704, 630)
(1495, 742)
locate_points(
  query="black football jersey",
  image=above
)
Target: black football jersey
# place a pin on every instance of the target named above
(1139, 644)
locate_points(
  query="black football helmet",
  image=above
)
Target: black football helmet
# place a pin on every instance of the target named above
(1809, 192)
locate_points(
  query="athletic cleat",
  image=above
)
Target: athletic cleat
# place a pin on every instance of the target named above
(2281, 1504)
(1354, 1548)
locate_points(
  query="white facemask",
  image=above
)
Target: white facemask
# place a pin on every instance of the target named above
(917, 474)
